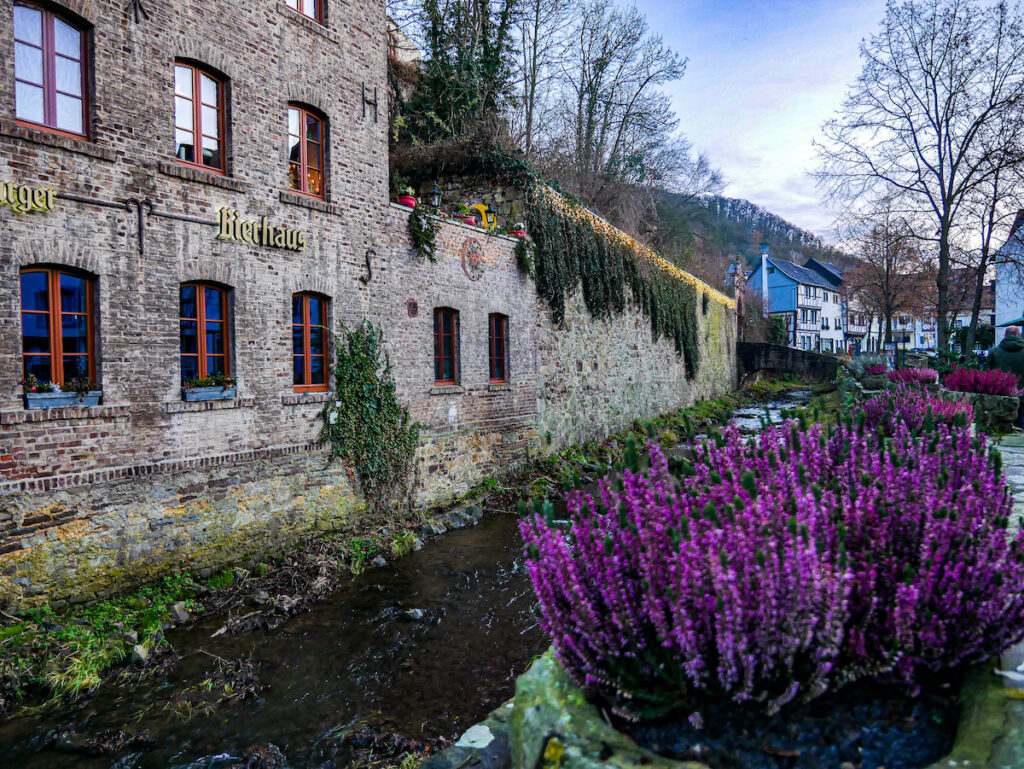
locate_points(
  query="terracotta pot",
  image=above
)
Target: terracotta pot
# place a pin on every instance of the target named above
(407, 200)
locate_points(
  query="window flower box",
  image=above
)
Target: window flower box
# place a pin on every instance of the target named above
(62, 398)
(193, 394)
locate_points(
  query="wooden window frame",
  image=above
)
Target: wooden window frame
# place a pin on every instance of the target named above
(439, 357)
(305, 112)
(53, 324)
(197, 118)
(497, 321)
(318, 16)
(307, 355)
(49, 85)
(201, 355)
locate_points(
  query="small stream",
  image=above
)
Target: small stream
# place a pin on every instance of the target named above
(423, 647)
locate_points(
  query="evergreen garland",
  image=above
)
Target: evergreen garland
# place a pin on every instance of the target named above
(364, 422)
(423, 230)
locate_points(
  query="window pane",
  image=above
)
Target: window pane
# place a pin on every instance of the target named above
(312, 128)
(74, 334)
(446, 345)
(208, 89)
(184, 146)
(499, 369)
(211, 122)
(313, 8)
(35, 332)
(189, 369)
(293, 121)
(298, 341)
(437, 322)
(446, 322)
(447, 370)
(183, 81)
(214, 304)
(314, 181)
(28, 24)
(188, 302)
(316, 341)
(69, 113)
(316, 370)
(215, 338)
(189, 337)
(28, 63)
(67, 40)
(76, 367)
(214, 366)
(34, 295)
(183, 115)
(437, 369)
(294, 150)
(211, 152)
(316, 316)
(74, 296)
(313, 155)
(293, 4)
(297, 310)
(39, 367)
(28, 100)
(298, 371)
(295, 176)
(69, 76)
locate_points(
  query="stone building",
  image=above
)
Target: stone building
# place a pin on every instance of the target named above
(187, 194)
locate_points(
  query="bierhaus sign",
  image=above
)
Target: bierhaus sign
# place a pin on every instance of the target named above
(257, 233)
(21, 198)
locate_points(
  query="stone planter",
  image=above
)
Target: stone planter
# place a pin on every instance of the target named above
(990, 411)
(191, 394)
(874, 381)
(553, 725)
(61, 399)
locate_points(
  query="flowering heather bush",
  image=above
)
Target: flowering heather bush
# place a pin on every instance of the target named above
(994, 382)
(916, 408)
(770, 571)
(914, 375)
(876, 369)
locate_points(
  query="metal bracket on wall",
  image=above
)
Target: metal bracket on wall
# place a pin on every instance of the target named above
(367, 101)
(142, 208)
(136, 7)
(369, 270)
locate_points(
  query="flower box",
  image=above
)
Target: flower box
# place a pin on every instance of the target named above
(192, 394)
(407, 200)
(61, 399)
(990, 411)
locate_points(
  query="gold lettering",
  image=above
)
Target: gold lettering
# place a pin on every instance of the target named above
(279, 237)
(247, 231)
(49, 199)
(39, 199)
(267, 231)
(224, 223)
(24, 200)
(302, 241)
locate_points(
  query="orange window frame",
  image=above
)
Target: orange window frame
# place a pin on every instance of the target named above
(307, 347)
(201, 354)
(303, 166)
(55, 315)
(197, 119)
(498, 332)
(301, 5)
(439, 336)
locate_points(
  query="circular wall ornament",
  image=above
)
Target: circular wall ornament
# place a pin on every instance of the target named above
(473, 259)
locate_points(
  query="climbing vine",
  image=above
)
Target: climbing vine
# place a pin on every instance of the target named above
(423, 230)
(365, 424)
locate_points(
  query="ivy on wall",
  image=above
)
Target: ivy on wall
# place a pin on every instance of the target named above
(423, 230)
(364, 422)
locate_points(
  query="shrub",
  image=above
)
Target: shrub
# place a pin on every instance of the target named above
(992, 382)
(914, 375)
(914, 407)
(858, 366)
(770, 571)
(876, 369)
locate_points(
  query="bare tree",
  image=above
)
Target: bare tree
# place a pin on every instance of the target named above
(939, 81)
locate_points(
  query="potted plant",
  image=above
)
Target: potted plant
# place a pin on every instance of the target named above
(217, 387)
(518, 231)
(407, 198)
(466, 215)
(47, 395)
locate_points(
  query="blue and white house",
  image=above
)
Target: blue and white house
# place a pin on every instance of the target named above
(805, 298)
(1010, 280)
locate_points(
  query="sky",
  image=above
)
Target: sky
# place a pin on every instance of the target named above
(763, 75)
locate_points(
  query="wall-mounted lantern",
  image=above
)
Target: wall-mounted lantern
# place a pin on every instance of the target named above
(435, 197)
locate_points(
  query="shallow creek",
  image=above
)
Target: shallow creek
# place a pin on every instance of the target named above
(422, 647)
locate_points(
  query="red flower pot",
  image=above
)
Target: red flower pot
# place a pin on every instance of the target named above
(407, 200)
(517, 233)
(466, 219)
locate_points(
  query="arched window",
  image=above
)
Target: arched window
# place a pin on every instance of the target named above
(498, 347)
(57, 322)
(311, 8)
(204, 332)
(446, 346)
(305, 151)
(199, 123)
(309, 342)
(50, 82)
